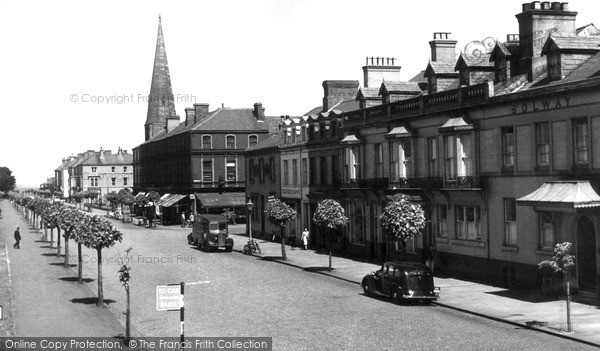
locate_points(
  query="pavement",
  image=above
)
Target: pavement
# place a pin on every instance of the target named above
(522, 309)
(34, 266)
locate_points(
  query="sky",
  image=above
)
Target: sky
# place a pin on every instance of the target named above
(76, 74)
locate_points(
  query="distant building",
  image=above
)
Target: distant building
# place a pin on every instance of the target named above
(201, 156)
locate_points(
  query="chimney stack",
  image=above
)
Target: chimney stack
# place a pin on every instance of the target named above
(189, 115)
(200, 111)
(259, 111)
(378, 69)
(172, 123)
(442, 47)
(336, 91)
(536, 22)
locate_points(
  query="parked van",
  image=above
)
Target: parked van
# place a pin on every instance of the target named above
(210, 232)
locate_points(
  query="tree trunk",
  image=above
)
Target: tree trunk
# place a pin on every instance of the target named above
(58, 242)
(67, 248)
(79, 264)
(100, 294)
(51, 236)
(329, 245)
(283, 255)
(128, 315)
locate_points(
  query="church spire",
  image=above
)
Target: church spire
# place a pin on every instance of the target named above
(161, 101)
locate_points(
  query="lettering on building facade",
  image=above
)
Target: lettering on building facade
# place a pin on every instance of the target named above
(541, 105)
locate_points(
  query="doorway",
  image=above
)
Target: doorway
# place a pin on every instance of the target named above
(586, 255)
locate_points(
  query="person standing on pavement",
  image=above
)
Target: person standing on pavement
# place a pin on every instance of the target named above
(305, 234)
(17, 244)
(191, 219)
(183, 220)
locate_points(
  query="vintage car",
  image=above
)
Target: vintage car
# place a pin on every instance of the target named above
(402, 280)
(210, 232)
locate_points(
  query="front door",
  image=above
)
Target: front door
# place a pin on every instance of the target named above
(586, 255)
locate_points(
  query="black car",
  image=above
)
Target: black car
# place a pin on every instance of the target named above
(402, 280)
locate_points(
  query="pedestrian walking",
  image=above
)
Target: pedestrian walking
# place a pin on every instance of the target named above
(183, 220)
(17, 244)
(305, 234)
(191, 220)
(429, 256)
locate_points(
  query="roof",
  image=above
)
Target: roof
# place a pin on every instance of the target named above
(588, 69)
(419, 77)
(444, 68)
(368, 93)
(474, 61)
(273, 140)
(399, 87)
(399, 132)
(108, 159)
(171, 200)
(567, 43)
(587, 30)
(314, 111)
(350, 139)
(562, 194)
(343, 106)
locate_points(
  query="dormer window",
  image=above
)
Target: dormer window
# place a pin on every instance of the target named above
(500, 69)
(554, 69)
(464, 76)
(432, 81)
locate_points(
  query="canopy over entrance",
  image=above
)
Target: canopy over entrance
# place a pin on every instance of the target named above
(574, 194)
(210, 200)
(171, 200)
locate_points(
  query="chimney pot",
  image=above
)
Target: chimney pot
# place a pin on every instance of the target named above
(565, 6)
(535, 5)
(527, 7)
(556, 5)
(546, 5)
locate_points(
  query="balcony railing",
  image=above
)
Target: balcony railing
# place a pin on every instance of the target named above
(369, 183)
(465, 182)
(425, 183)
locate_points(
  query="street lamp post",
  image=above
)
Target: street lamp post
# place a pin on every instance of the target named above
(249, 207)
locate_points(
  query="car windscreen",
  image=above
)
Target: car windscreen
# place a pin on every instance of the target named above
(216, 227)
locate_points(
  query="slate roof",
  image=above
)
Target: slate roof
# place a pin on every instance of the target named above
(419, 77)
(101, 159)
(399, 87)
(347, 105)
(314, 111)
(472, 61)
(564, 43)
(590, 68)
(368, 93)
(443, 68)
(274, 140)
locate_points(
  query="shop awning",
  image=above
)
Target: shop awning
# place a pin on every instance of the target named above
(562, 194)
(350, 139)
(172, 200)
(455, 124)
(209, 200)
(162, 199)
(399, 132)
(138, 196)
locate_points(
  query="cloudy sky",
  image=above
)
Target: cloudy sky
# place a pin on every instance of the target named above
(76, 74)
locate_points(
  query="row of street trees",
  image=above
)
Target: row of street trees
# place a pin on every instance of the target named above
(89, 231)
(401, 220)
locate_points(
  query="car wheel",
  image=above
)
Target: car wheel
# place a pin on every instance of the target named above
(395, 295)
(368, 288)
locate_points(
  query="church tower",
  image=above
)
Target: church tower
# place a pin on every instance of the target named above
(161, 102)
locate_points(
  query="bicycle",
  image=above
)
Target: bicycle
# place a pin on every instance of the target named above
(251, 247)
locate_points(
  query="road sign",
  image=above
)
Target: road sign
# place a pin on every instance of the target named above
(169, 298)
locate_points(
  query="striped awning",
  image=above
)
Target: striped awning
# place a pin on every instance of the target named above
(172, 200)
(563, 195)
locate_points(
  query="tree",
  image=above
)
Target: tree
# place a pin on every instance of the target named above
(7, 180)
(113, 199)
(563, 263)
(280, 214)
(331, 219)
(402, 220)
(125, 198)
(102, 234)
(70, 219)
(124, 277)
